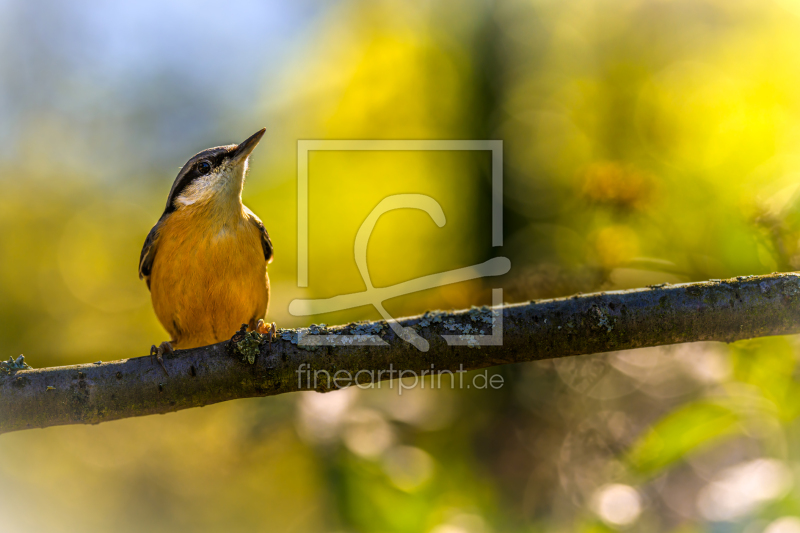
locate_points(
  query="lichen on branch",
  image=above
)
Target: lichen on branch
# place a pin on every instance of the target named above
(246, 366)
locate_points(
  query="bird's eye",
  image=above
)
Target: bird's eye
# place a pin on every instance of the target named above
(204, 167)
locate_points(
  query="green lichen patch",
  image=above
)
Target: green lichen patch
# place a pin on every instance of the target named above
(482, 314)
(368, 328)
(431, 317)
(246, 344)
(482, 321)
(314, 329)
(603, 320)
(288, 335)
(12, 365)
(452, 325)
(477, 321)
(464, 331)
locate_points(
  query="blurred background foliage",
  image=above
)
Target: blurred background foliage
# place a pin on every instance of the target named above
(645, 141)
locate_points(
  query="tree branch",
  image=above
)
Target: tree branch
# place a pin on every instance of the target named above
(729, 310)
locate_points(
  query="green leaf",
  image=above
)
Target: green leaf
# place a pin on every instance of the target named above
(679, 433)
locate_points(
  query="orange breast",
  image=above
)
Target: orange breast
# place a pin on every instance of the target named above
(208, 277)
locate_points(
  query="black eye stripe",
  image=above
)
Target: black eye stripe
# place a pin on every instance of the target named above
(191, 171)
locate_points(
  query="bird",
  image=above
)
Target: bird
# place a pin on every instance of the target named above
(205, 260)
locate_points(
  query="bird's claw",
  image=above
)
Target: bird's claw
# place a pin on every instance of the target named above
(158, 353)
(270, 331)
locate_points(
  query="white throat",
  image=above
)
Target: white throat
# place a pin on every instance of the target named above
(222, 187)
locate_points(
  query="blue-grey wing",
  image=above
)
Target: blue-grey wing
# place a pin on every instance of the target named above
(266, 243)
(149, 253)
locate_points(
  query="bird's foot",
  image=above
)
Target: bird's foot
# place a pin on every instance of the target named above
(158, 353)
(271, 331)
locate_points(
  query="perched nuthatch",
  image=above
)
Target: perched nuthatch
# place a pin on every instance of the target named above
(205, 260)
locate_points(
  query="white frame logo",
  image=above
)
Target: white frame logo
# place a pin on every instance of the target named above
(377, 295)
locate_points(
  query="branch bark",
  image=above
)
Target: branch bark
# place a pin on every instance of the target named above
(729, 310)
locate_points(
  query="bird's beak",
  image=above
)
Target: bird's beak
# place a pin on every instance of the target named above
(243, 151)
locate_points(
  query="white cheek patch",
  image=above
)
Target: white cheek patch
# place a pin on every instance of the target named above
(223, 183)
(202, 188)
(185, 200)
